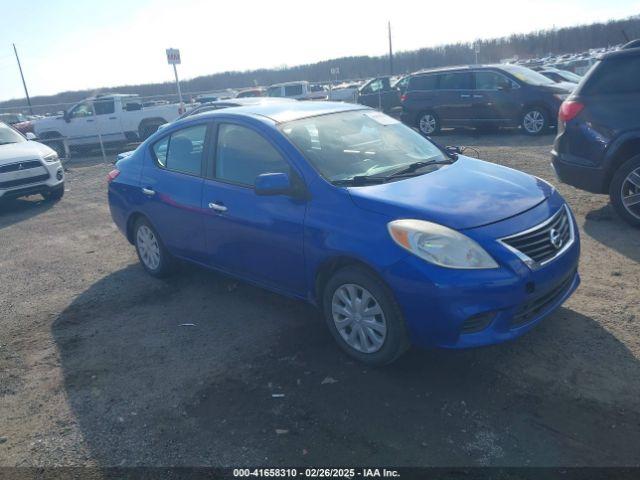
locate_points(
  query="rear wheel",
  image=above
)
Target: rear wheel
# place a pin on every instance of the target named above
(624, 191)
(534, 121)
(428, 123)
(363, 317)
(153, 256)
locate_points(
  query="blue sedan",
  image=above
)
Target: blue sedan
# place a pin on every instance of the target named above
(395, 239)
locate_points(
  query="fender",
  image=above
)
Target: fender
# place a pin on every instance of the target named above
(616, 153)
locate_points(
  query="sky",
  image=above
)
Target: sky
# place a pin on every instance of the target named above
(86, 44)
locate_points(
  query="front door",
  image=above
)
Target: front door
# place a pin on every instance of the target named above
(81, 128)
(257, 237)
(495, 99)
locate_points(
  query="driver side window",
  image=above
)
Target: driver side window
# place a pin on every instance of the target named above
(82, 110)
(243, 154)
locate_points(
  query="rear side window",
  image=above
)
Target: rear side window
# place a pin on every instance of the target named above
(615, 76)
(423, 82)
(274, 92)
(104, 107)
(243, 154)
(455, 81)
(291, 90)
(182, 151)
(492, 81)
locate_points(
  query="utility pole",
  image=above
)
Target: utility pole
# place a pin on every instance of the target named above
(24, 84)
(390, 51)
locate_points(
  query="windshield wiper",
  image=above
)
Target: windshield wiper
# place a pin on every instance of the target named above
(407, 171)
(7, 143)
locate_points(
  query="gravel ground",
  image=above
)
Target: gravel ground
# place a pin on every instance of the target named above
(95, 368)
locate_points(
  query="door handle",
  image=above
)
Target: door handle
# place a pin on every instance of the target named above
(464, 95)
(217, 207)
(478, 96)
(113, 118)
(148, 191)
(89, 120)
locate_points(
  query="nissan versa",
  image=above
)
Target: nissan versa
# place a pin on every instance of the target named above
(398, 241)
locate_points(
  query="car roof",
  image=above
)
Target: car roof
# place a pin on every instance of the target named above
(459, 68)
(625, 52)
(280, 112)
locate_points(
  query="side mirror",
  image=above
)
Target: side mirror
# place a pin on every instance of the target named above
(453, 150)
(66, 116)
(273, 184)
(30, 136)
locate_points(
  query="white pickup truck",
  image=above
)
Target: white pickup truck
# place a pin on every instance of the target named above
(117, 118)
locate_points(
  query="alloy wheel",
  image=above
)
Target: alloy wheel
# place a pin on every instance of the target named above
(358, 317)
(148, 247)
(630, 193)
(428, 124)
(533, 121)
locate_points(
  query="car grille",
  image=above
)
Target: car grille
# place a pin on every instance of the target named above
(532, 309)
(24, 181)
(544, 242)
(14, 167)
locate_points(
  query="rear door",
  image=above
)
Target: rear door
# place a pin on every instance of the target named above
(171, 182)
(454, 103)
(257, 237)
(107, 121)
(496, 99)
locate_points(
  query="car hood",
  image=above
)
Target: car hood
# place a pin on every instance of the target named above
(16, 152)
(466, 194)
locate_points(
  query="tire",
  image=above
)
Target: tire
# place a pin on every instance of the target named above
(428, 123)
(625, 184)
(153, 255)
(384, 345)
(534, 121)
(54, 194)
(147, 130)
(57, 147)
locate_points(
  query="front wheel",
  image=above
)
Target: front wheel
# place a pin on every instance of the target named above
(624, 191)
(54, 194)
(363, 317)
(535, 121)
(153, 256)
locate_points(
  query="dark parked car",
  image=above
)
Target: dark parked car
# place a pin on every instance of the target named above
(598, 144)
(378, 93)
(482, 96)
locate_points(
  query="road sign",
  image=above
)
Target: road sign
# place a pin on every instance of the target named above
(335, 71)
(173, 56)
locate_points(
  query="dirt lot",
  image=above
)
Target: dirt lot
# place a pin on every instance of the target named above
(95, 368)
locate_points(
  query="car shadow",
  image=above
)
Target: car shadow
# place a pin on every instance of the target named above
(605, 226)
(20, 209)
(203, 370)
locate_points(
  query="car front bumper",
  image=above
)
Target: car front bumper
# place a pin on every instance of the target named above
(471, 308)
(48, 177)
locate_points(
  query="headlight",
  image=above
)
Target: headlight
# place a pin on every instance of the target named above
(52, 157)
(439, 245)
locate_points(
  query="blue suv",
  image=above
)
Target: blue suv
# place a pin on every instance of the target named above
(598, 143)
(396, 240)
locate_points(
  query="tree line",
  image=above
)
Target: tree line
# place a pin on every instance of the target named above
(529, 45)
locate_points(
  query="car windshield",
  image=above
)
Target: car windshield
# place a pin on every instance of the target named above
(527, 75)
(345, 145)
(9, 135)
